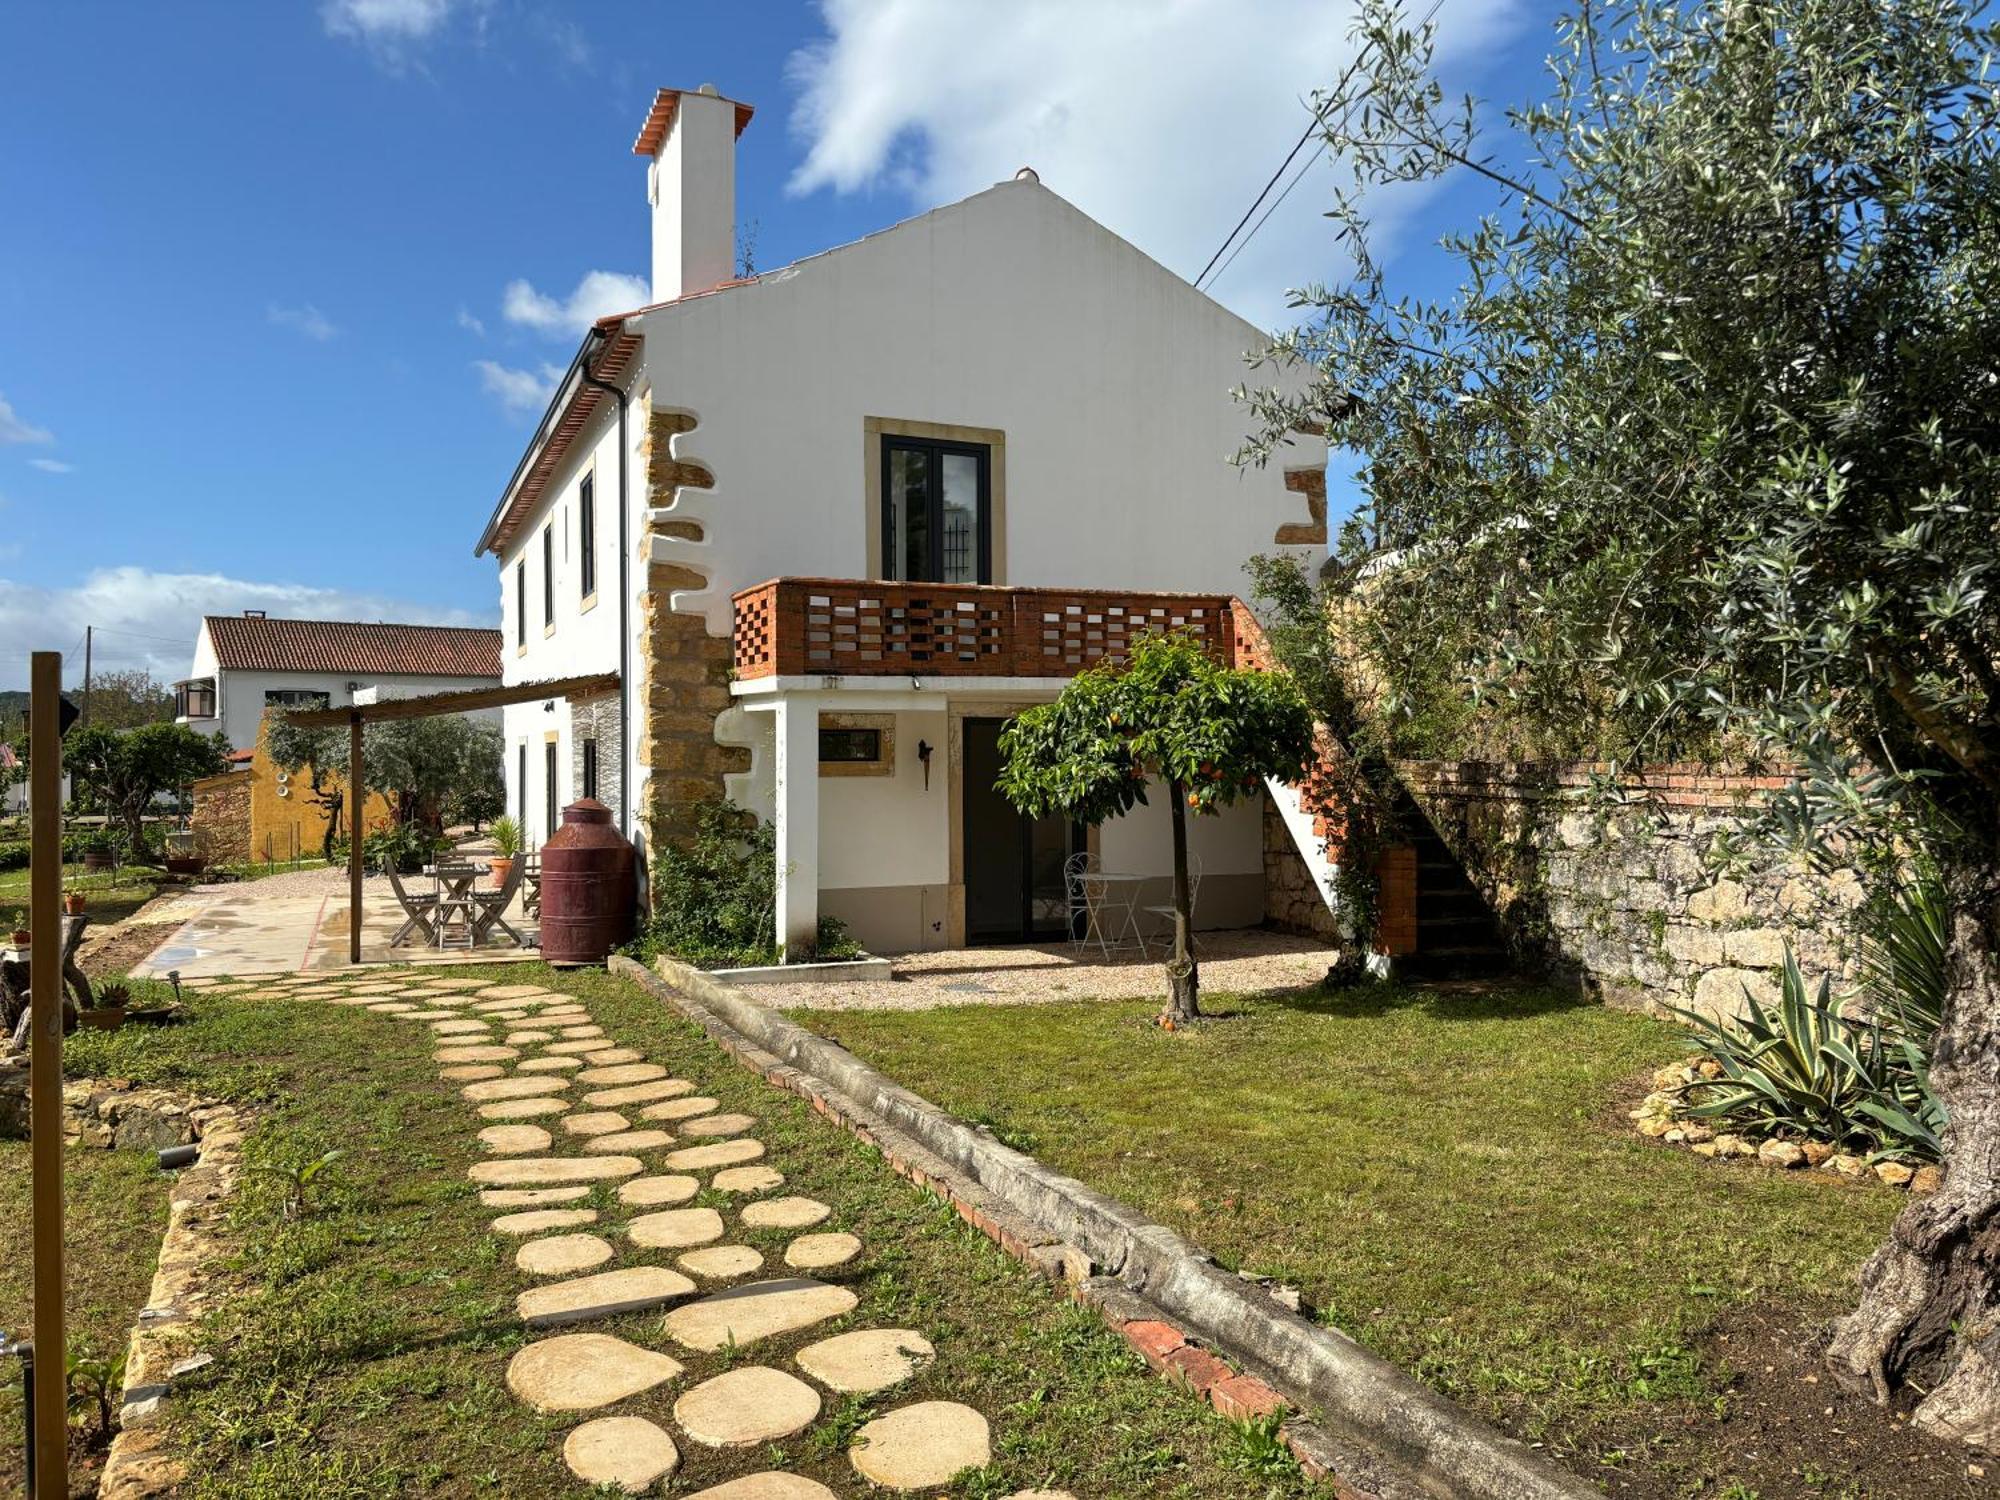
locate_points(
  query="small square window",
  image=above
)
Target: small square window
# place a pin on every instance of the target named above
(850, 746)
(857, 745)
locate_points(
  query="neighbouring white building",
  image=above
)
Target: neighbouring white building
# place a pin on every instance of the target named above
(247, 664)
(831, 524)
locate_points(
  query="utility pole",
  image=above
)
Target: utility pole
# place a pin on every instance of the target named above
(86, 674)
(49, 1416)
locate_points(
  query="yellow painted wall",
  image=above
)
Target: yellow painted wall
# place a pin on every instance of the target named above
(277, 806)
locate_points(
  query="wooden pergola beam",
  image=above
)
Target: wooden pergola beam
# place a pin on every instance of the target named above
(465, 701)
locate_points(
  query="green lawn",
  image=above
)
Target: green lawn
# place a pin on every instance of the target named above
(364, 1352)
(1447, 1176)
(113, 895)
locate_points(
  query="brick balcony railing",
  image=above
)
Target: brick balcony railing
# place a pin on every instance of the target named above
(841, 627)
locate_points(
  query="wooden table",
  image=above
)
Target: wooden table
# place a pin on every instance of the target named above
(455, 898)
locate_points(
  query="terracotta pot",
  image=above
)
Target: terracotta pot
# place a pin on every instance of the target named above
(102, 1017)
(503, 866)
(20, 937)
(73, 902)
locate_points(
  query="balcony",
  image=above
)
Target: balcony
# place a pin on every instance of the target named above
(837, 627)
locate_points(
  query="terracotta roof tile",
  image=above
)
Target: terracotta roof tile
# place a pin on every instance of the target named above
(247, 643)
(661, 116)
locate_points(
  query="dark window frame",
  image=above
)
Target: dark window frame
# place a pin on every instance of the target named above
(549, 807)
(520, 601)
(935, 450)
(868, 738)
(586, 536)
(590, 768)
(294, 698)
(548, 575)
(521, 790)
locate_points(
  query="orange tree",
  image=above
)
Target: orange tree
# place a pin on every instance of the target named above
(1169, 712)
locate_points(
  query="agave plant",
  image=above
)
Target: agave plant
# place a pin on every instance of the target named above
(1793, 1067)
(1902, 958)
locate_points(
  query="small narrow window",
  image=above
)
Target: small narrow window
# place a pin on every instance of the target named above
(850, 746)
(549, 790)
(586, 535)
(521, 602)
(549, 574)
(521, 790)
(590, 768)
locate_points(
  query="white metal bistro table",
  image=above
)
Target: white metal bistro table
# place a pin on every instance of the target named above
(1117, 895)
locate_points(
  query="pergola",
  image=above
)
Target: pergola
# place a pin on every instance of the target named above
(356, 715)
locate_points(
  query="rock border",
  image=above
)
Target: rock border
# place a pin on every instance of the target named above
(1385, 1435)
(139, 1465)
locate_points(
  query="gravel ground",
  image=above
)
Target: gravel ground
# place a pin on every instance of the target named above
(1247, 960)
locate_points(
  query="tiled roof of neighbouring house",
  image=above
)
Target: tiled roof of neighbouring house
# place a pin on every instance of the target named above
(246, 643)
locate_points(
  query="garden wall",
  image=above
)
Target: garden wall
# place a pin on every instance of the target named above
(1624, 898)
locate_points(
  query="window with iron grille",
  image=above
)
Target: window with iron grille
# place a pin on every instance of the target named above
(586, 535)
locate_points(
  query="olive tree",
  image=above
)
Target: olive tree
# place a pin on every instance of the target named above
(126, 768)
(320, 756)
(1169, 712)
(1708, 444)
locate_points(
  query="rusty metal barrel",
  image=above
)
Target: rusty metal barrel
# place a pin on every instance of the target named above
(589, 886)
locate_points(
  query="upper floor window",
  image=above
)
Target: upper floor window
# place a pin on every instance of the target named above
(937, 524)
(195, 700)
(586, 535)
(549, 575)
(296, 698)
(521, 602)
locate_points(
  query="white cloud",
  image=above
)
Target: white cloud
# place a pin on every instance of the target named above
(51, 466)
(598, 295)
(385, 21)
(17, 429)
(305, 319)
(1160, 121)
(521, 393)
(147, 619)
(471, 324)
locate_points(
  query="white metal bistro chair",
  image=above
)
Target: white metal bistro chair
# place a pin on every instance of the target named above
(1167, 911)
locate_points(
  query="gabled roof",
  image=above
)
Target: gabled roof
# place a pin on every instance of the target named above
(248, 643)
(661, 116)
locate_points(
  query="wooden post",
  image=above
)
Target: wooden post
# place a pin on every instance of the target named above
(355, 799)
(45, 1081)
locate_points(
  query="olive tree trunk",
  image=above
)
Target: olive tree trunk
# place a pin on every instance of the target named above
(1183, 981)
(1929, 1314)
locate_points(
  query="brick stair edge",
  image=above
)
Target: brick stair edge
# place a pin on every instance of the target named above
(1355, 1470)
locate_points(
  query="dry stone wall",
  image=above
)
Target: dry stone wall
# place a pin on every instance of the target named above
(1627, 898)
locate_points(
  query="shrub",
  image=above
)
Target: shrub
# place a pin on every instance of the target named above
(13, 857)
(407, 846)
(715, 898)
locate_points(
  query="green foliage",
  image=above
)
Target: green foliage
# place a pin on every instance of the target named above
(407, 847)
(1902, 960)
(297, 1179)
(1170, 710)
(13, 856)
(1260, 1447)
(91, 1381)
(506, 837)
(424, 764)
(1806, 1068)
(715, 898)
(126, 769)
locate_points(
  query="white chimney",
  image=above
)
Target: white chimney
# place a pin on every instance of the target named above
(691, 138)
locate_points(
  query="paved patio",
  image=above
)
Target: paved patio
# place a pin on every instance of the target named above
(1242, 959)
(297, 922)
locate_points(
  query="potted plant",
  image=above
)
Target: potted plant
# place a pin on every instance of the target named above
(97, 856)
(19, 935)
(107, 1010)
(506, 848)
(73, 903)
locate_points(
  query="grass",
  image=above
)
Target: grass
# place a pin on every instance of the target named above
(114, 894)
(115, 1203)
(364, 1348)
(1446, 1176)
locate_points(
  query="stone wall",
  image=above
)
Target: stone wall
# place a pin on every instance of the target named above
(597, 719)
(221, 820)
(1292, 899)
(1626, 898)
(101, 1113)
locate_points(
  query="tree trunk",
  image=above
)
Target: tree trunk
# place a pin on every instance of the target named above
(330, 803)
(135, 829)
(1929, 1314)
(1183, 981)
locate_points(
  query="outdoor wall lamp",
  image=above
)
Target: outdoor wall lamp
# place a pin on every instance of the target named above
(924, 755)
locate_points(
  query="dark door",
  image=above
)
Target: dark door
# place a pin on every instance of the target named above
(1013, 864)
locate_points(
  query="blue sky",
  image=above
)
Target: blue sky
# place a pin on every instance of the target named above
(280, 283)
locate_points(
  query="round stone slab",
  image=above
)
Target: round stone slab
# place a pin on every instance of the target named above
(716, 1262)
(821, 1252)
(865, 1361)
(770, 1486)
(548, 1065)
(585, 1029)
(627, 1453)
(392, 1007)
(721, 1154)
(743, 1407)
(514, 1140)
(523, 1109)
(616, 1055)
(631, 1072)
(678, 1109)
(785, 1213)
(582, 1048)
(676, 1228)
(760, 1310)
(471, 1072)
(719, 1125)
(916, 1447)
(457, 1027)
(454, 984)
(630, 1140)
(526, 1197)
(747, 1180)
(563, 1255)
(553, 1171)
(535, 1220)
(639, 1093)
(1041, 1495)
(512, 1088)
(479, 1052)
(596, 1122)
(580, 1371)
(528, 1038)
(513, 991)
(629, 1290)
(645, 1192)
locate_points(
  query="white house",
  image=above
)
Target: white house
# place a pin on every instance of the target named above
(245, 664)
(831, 524)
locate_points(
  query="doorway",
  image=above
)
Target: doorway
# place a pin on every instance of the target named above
(1013, 863)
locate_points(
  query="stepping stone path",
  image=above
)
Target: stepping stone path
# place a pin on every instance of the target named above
(659, 1142)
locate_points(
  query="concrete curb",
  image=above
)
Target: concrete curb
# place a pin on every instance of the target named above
(1390, 1436)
